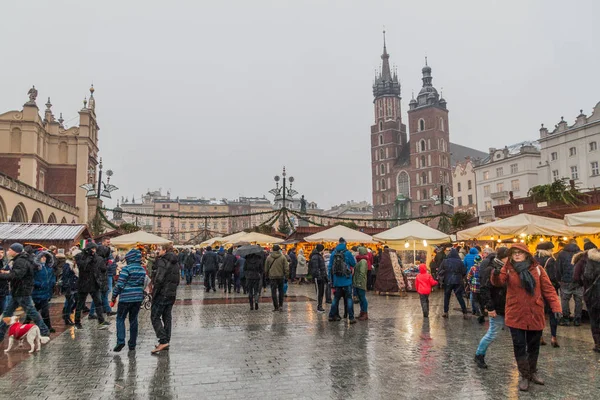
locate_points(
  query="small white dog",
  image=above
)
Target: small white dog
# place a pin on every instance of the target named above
(19, 332)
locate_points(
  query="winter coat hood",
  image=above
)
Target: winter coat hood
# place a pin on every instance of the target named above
(422, 269)
(341, 247)
(363, 251)
(572, 248)
(473, 251)
(38, 259)
(454, 254)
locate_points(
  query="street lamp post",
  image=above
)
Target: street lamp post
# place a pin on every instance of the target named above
(284, 191)
(99, 192)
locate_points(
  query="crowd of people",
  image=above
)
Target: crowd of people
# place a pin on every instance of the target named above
(512, 286)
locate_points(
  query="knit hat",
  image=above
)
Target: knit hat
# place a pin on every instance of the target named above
(342, 240)
(17, 247)
(320, 247)
(133, 256)
(589, 245)
(209, 248)
(501, 252)
(477, 259)
(276, 247)
(545, 246)
(91, 245)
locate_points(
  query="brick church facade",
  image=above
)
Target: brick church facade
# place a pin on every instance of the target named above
(410, 168)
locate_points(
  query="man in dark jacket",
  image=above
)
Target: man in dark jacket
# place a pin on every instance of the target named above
(493, 299)
(4, 289)
(21, 279)
(90, 270)
(209, 266)
(165, 279)
(188, 264)
(105, 280)
(568, 286)
(293, 264)
(318, 270)
(253, 268)
(452, 271)
(229, 264)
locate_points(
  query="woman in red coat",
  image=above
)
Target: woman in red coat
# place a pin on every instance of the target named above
(527, 286)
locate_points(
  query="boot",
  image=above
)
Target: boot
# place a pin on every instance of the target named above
(564, 322)
(445, 315)
(536, 379)
(554, 342)
(251, 306)
(256, 305)
(480, 361)
(364, 316)
(523, 384)
(542, 342)
(577, 322)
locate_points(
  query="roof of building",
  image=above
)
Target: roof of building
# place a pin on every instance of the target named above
(513, 150)
(460, 152)
(12, 231)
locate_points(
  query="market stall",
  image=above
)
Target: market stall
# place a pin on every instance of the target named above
(211, 242)
(254, 238)
(138, 238)
(413, 243)
(333, 235)
(63, 236)
(586, 218)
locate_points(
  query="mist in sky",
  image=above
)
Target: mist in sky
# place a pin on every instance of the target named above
(213, 98)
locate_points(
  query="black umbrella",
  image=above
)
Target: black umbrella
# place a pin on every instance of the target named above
(245, 251)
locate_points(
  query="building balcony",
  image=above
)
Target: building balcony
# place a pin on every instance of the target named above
(484, 214)
(499, 195)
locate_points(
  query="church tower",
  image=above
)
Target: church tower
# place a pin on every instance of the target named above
(429, 149)
(388, 137)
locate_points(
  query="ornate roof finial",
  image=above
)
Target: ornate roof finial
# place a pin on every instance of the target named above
(92, 90)
(92, 100)
(61, 120)
(85, 102)
(384, 46)
(48, 105)
(425, 60)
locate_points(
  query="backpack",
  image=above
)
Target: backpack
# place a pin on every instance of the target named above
(591, 273)
(339, 267)
(313, 266)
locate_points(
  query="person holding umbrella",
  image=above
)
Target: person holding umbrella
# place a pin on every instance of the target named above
(253, 267)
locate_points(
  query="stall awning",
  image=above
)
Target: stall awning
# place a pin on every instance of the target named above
(586, 218)
(524, 224)
(139, 237)
(335, 233)
(23, 232)
(413, 230)
(255, 237)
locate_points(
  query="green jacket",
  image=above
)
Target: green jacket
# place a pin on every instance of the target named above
(359, 279)
(276, 265)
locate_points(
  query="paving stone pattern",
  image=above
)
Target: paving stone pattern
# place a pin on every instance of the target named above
(225, 351)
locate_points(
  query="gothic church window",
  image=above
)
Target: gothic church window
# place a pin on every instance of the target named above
(403, 184)
(424, 178)
(442, 124)
(383, 184)
(424, 194)
(381, 154)
(380, 140)
(421, 125)
(422, 161)
(382, 169)
(423, 145)
(380, 126)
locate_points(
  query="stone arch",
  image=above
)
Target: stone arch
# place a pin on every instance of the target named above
(38, 217)
(19, 214)
(52, 219)
(63, 220)
(3, 215)
(15, 140)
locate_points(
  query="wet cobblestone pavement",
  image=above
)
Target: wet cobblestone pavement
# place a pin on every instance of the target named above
(222, 350)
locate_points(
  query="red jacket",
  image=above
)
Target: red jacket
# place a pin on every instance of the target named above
(524, 311)
(369, 260)
(424, 281)
(18, 330)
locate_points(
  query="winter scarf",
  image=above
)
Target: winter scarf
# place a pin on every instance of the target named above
(527, 281)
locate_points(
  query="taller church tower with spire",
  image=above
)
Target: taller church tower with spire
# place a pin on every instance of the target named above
(408, 177)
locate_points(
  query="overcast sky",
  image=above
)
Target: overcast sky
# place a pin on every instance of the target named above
(212, 98)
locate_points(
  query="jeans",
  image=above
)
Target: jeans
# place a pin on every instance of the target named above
(253, 286)
(43, 307)
(197, 270)
(161, 317)
(182, 268)
(362, 299)
(458, 291)
(475, 303)
(237, 282)
(69, 306)
(81, 298)
(496, 324)
(424, 298)
(293, 273)
(526, 345)
(568, 290)
(277, 292)
(339, 293)
(189, 275)
(123, 310)
(321, 284)
(2, 301)
(104, 297)
(209, 280)
(227, 281)
(30, 311)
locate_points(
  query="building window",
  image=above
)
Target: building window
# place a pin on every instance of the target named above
(486, 175)
(423, 146)
(469, 185)
(404, 184)
(458, 187)
(499, 171)
(574, 173)
(514, 185)
(383, 184)
(593, 146)
(418, 195)
(488, 205)
(460, 201)
(572, 151)
(380, 140)
(422, 161)
(442, 124)
(514, 168)
(421, 125)
(555, 175)
(470, 198)
(486, 190)
(553, 156)
(500, 187)
(424, 194)
(594, 168)
(381, 154)
(424, 178)
(382, 169)
(380, 126)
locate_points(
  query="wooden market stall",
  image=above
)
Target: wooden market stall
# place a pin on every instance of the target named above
(63, 236)
(138, 238)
